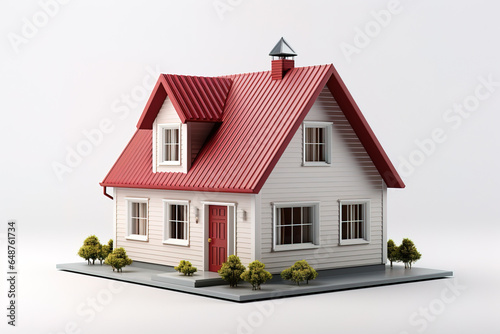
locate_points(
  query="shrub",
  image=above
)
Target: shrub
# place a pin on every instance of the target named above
(105, 251)
(118, 259)
(90, 249)
(408, 253)
(231, 270)
(186, 268)
(256, 274)
(301, 271)
(392, 251)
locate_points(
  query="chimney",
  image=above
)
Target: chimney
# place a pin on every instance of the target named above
(280, 66)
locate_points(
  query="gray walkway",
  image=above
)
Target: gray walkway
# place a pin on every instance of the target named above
(327, 280)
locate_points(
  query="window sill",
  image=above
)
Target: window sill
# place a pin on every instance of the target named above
(137, 237)
(170, 163)
(316, 164)
(176, 242)
(353, 242)
(284, 248)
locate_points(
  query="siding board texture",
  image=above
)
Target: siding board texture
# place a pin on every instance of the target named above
(352, 175)
(155, 251)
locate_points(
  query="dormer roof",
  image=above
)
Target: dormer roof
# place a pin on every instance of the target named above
(196, 99)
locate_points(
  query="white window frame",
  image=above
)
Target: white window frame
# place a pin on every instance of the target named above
(366, 231)
(166, 221)
(161, 148)
(138, 237)
(315, 226)
(328, 143)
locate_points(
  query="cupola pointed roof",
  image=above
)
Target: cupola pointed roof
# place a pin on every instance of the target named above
(282, 49)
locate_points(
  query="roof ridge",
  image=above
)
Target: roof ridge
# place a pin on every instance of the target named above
(229, 76)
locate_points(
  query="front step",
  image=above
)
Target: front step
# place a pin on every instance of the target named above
(198, 280)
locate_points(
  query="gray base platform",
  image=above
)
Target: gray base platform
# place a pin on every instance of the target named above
(206, 284)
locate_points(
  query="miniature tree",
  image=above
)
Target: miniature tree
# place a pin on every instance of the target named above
(105, 251)
(256, 274)
(408, 253)
(392, 251)
(301, 271)
(118, 259)
(231, 270)
(186, 268)
(90, 249)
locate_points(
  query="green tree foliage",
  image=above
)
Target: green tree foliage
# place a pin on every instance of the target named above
(90, 249)
(186, 268)
(118, 259)
(256, 274)
(105, 251)
(231, 270)
(301, 271)
(408, 253)
(392, 251)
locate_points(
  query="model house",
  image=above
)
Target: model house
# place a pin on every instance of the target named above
(277, 166)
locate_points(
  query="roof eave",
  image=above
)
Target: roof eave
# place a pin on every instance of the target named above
(104, 183)
(182, 188)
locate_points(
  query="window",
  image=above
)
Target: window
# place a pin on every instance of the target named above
(176, 222)
(169, 144)
(317, 148)
(354, 222)
(137, 216)
(295, 225)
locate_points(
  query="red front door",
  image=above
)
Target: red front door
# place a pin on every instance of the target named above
(217, 234)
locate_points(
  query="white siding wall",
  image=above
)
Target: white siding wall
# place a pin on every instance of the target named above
(351, 175)
(168, 115)
(154, 251)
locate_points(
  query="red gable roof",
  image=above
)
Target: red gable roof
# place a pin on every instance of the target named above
(258, 119)
(194, 98)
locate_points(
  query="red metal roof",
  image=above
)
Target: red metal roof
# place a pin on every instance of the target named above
(258, 119)
(194, 98)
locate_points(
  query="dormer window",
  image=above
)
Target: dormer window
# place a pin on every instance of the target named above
(170, 146)
(317, 143)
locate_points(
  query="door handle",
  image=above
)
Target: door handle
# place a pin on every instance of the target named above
(209, 240)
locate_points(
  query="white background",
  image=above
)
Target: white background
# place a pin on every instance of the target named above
(78, 67)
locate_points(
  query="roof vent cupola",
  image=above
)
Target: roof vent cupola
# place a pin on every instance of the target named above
(285, 61)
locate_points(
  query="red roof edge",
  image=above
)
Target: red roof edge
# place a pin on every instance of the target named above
(106, 184)
(363, 131)
(173, 98)
(292, 132)
(153, 106)
(153, 186)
